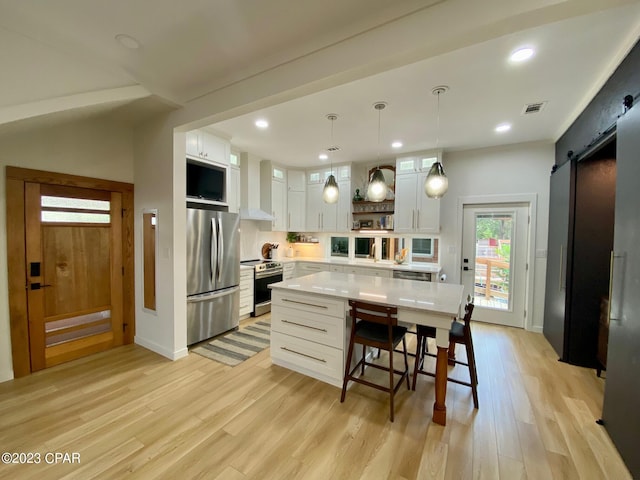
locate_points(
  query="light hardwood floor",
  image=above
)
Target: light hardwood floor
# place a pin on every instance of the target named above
(133, 414)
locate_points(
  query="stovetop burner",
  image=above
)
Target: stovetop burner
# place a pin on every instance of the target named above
(262, 265)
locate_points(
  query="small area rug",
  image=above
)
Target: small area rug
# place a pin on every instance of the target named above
(235, 347)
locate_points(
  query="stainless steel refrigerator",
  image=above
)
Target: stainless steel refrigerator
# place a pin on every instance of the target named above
(213, 273)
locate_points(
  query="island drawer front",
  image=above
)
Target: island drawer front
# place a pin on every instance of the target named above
(313, 359)
(309, 303)
(308, 325)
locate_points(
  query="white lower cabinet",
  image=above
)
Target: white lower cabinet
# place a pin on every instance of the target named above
(375, 272)
(308, 335)
(246, 292)
(288, 271)
(304, 268)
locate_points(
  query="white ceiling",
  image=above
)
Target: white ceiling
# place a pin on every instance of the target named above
(61, 55)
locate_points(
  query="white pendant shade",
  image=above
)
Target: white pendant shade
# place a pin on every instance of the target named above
(330, 193)
(377, 189)
(436, 183)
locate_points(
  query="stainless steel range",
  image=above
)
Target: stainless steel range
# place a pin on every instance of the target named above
(266, 272)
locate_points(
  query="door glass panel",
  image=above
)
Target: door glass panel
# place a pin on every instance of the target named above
(149, 235)
(75, 217)
(493, 259)
(76, 203)
(73, 328)
(74, 210)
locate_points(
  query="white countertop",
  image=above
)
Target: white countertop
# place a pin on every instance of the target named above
(441, 298)
(387, 265)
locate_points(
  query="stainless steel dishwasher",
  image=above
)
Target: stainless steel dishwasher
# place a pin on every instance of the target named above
(407, 275)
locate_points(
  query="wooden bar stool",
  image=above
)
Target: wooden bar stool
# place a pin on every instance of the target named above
(460, 333)
(375, 326)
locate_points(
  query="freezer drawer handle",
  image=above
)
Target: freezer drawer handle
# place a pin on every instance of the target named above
(305, 326)
(211, 296)
(303, 354)
(305, 303)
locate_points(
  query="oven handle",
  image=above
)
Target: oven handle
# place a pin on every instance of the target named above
(260, 276)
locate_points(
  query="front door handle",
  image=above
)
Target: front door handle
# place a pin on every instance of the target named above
(38, 286)
(467, 269)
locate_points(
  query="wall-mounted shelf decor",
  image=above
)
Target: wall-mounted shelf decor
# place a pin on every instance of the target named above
(386, 206)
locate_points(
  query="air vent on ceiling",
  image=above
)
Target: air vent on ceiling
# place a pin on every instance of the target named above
(335, 148)
(533, 108)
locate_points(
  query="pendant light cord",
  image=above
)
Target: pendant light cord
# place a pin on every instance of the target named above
(333, 117)
(378, 152)
(437, 91)
(438, 121)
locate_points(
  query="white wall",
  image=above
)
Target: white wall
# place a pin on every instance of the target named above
(514, 169)
(94, 148)
(161, 184)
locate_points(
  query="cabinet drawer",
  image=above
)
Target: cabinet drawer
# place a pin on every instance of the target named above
(246, 290)
(307, 269)
(312, 359)
(309, 326)
(245, 308)
(309, 303)
(373, 272)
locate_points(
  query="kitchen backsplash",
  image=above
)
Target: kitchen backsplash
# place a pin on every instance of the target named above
(252, 239)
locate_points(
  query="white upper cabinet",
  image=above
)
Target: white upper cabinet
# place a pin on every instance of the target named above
(344, 218)
(233, 190)
(296, 180)
(296, 200)
(206, 146)
(325, 217)
(273, 194)
(417, 163)
(414, 211)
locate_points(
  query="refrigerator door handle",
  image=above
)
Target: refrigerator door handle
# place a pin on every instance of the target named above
(204, 297)
(213, 252)
(220, 249)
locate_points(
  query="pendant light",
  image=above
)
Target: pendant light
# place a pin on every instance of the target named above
(330, 192)
(377, 189)
(437, 183)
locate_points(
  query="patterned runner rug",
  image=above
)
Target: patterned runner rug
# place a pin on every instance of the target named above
(237, 346)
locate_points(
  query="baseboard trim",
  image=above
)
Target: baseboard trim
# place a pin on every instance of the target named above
(6, 375)
(160, 350)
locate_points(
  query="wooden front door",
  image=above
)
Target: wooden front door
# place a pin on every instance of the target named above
(70, 267)
(74, 272)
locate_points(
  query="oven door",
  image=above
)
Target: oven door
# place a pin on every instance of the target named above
(262, 293)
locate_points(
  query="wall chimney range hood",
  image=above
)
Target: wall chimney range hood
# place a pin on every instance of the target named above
(255, 214)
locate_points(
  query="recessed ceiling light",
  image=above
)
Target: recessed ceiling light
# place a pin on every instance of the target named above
(323, 156)
(396, 144)
(128, 41)
(503, 127)
(522, 54)
(262, 123)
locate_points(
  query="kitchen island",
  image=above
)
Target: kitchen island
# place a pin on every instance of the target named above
(310, 325)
